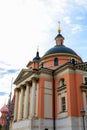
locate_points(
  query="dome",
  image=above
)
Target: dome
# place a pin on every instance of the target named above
(4, 108)
(37, 57)
(60, 49)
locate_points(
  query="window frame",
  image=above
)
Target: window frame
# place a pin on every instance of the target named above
(56, 61)
(63, 104)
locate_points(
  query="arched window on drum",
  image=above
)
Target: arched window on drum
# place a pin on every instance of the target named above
(56, 62)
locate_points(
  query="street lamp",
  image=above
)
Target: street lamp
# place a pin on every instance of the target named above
(83, 115)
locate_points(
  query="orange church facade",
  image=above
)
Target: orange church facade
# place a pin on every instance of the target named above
(52, 91)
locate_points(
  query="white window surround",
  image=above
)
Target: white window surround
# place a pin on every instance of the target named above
(62, 94)
(85, 79)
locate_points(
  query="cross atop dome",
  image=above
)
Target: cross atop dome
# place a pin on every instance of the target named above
(59, 29)
(59, 38)
(37, 48)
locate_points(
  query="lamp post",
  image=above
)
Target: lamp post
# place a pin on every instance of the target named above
(83, 115)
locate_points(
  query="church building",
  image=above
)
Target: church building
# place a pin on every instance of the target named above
(51, 92)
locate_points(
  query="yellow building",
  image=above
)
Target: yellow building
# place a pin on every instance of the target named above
(52, 91)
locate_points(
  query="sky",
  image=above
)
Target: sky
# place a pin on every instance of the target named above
(27, 24)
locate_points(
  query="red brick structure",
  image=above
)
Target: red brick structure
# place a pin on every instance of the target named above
(4, 111)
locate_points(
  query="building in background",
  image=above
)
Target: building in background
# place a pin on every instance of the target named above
(51, 91)
(11, 112)
(7, 112)
(4, 112)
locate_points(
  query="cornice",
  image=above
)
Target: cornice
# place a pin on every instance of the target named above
(60, 54)
(83, 87)
(63, 67)
(81, 66)
(24, 74)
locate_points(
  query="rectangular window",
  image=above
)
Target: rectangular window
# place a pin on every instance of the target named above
(85, 80)
(63, 103)
(86, 99)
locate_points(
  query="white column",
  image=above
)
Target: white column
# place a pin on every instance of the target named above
(84, 101)
(59, 103)
(21, 105)
(16, 105)
(36, 101)
(66, 101)
(30, 88)
(32, 103)
(26, 102)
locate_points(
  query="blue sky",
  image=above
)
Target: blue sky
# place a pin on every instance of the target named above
(26, 24)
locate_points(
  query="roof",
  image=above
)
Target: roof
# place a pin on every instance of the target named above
(59, 36)
(60, 49)
(36, 58)
(4, 108)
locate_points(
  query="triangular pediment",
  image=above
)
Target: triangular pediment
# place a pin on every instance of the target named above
(22, 74)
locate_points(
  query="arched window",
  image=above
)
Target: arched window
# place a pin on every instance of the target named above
(56, 62)
(62, 82)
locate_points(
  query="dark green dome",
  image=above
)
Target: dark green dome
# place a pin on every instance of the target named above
(60, 49)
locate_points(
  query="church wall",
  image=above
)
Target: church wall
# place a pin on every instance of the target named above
(31, 66)
(22, 125)
(33, 124)
(41, 99)
(70, 123)
(71, 94)
(44, 91)
(69, 77)
(49, 62)
(58, 97)
(79, 81)
(62, 59)
(36, 65)
(47, 99)
(57, 100)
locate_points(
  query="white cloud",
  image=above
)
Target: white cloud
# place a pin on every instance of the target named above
(82, 3)
(76, 28)
(67, 19)
(80, 18)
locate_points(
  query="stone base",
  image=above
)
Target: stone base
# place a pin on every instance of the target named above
(70, 123)
(33, 124)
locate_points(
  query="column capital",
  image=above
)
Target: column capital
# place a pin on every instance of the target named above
(16, 89)
(34, 79)
(28, 83)
(22, 86)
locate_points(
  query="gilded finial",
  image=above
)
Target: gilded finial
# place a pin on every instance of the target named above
(59, 29)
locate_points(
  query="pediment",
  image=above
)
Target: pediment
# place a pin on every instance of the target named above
(23, 73)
